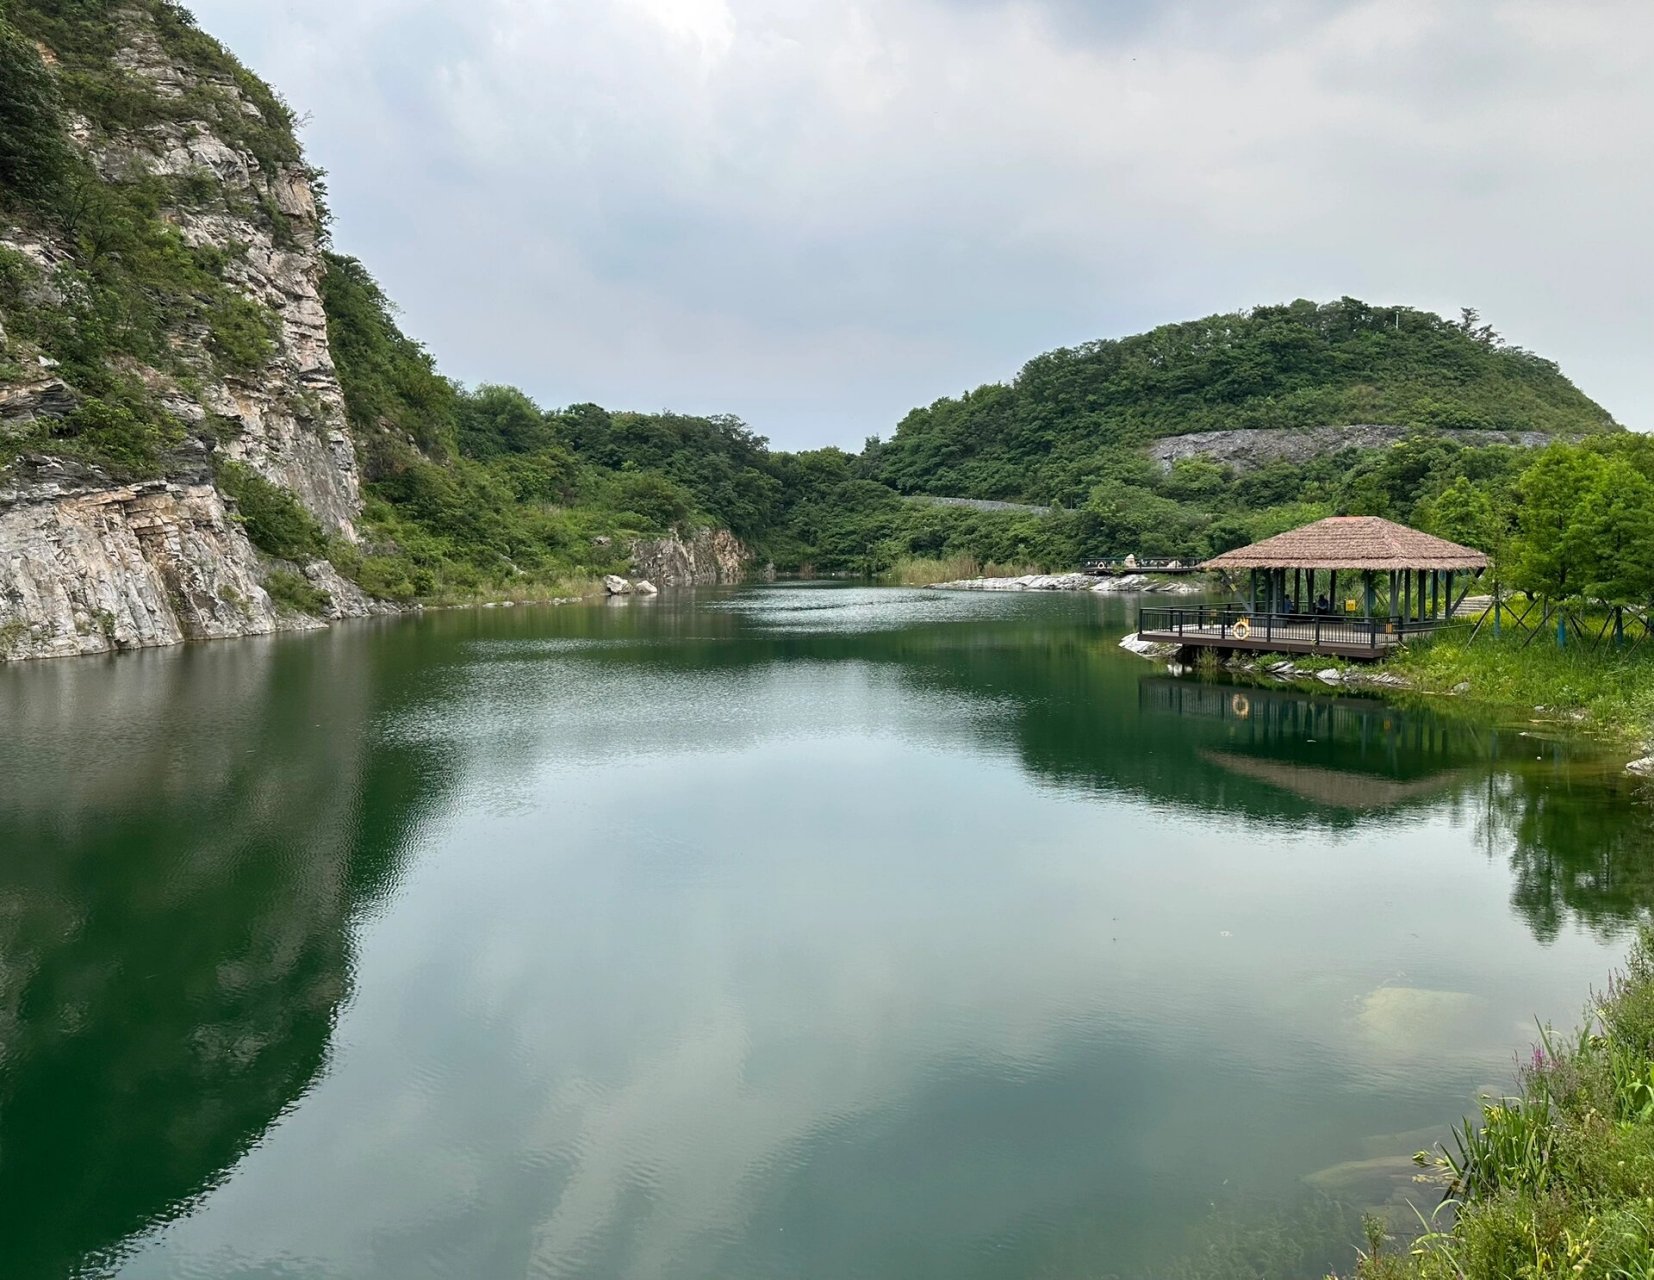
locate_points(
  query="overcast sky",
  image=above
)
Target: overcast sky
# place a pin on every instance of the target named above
(817, 214)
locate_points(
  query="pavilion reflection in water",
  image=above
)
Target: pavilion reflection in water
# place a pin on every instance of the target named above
(1577, 838)
(1338, 752)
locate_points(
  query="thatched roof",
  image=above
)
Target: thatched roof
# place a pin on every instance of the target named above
(1351, 542)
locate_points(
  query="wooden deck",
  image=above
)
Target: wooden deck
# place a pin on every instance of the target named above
(1231, 628)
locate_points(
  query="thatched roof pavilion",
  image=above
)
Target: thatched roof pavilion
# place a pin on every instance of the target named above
(1417, 566)
(1397, 581)
(1352, 542)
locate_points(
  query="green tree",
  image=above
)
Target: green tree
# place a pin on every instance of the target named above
(1614, 529)
(1550, 553)
(34, 157)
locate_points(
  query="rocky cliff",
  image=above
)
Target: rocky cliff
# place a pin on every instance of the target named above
(96, 556)
(706, 557)
(1247, 450)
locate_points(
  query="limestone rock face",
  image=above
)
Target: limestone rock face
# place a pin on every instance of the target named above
(288, 421)
(88, 563)
(709, 556)
(1246, 450)
(126, 568)
(344, 598)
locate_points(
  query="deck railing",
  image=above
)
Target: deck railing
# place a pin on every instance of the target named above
(1206, 623)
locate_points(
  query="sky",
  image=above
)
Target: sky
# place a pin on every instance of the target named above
(819, 214)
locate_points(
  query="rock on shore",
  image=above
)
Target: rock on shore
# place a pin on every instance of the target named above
(1132, 582)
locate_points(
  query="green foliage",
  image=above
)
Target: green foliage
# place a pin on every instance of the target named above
(123, 432)
(240, 334)
(275, 520)
(1613, 689)
(34, 155)
(294, 591)
(495, 421)
(389, 380)
(1558, 1182)
(1299, 365)
(1581, 515)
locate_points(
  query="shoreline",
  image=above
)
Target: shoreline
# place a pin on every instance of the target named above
(1623, 732)
(1129, 584)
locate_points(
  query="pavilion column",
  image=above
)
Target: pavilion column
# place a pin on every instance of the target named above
(1436, 594)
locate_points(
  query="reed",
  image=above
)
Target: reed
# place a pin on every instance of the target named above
(1557, 1181)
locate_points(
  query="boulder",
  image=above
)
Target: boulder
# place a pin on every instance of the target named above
(646, 588)
(1147, 648)
(615, 585)
(1643, 768)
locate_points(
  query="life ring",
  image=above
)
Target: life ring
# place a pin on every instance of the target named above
(1242, 629)
(1240, 706)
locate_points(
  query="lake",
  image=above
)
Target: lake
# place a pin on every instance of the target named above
(779, 931)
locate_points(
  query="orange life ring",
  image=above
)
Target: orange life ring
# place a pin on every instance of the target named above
(1242, 629)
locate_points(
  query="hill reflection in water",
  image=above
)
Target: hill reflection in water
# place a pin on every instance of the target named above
(733, 920)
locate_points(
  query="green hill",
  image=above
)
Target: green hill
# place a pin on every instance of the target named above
(1049, 434)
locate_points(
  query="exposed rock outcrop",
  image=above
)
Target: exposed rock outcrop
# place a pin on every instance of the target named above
(1248, 450)
(127, 567)
(88, 564)
(708, 556)
(344, 598)
(1129, 583)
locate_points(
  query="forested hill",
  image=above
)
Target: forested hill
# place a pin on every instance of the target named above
(1049, 434)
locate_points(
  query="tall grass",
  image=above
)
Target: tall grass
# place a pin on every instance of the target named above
(1613, 688)
(1559, 1180)
(922, 573)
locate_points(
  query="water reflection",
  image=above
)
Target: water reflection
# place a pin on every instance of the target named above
(1566, 821)
(184, 856)
(860, 932)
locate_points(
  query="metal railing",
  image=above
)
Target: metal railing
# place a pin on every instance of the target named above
(1248, 626)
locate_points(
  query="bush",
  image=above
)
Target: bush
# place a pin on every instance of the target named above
(275, 520)
(293, 591)
(123, 432)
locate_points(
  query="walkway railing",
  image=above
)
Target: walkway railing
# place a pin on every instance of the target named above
(1205, 623)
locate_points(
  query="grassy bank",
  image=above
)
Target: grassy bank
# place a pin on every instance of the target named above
(917, 572)
(1610, 690)
(1558, 1180)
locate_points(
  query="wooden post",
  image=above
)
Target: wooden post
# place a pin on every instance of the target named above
(1435, 593)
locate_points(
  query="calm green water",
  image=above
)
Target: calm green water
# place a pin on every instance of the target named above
(809, 931)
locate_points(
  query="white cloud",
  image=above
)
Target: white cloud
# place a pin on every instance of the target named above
(819, 214)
